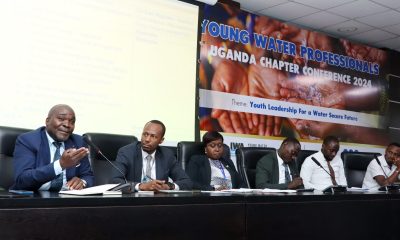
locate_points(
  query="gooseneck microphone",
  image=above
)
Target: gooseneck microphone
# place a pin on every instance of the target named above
(380, 165)
(389, 187)
(330, 189)
(319, 164)
(125, 188)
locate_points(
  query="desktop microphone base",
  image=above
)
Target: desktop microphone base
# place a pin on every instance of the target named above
(335, 189)
(390, 188)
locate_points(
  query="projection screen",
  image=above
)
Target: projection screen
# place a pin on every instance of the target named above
(118, 64)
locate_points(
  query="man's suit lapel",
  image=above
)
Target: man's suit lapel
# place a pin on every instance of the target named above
(160, 165)
(70, 171)
(44, 148)
(69, 144)
(138, 163)
(275, 168)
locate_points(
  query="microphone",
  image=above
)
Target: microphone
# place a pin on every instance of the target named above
(330, 189)
(319, 164)
(125, 188)
(390, 187)
(379, 163)
(316, 162)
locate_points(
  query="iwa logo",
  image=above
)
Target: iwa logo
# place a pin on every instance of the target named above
(235, 145)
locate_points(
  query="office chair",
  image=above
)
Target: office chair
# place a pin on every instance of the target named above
(186, 149)
(303, 154)
(355, 166)
(109, 144)
(173, 149)
(247, 158)
(8, 136)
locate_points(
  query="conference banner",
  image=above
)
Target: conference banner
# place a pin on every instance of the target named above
(262, 80)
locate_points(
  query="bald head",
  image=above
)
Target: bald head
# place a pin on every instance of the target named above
(57, 107)
(60, 122)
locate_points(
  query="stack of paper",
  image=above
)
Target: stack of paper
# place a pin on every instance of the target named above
(101, 189)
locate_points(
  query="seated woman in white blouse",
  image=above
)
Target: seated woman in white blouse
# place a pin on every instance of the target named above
(212, 171)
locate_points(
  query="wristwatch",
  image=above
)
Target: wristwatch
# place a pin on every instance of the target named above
(171, 186)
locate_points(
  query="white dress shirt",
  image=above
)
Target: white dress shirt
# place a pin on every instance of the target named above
(315, 177)
(153, 169)
(281, 168)
(144, 164)
(374, 170)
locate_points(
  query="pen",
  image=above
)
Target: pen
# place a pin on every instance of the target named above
(150, 178)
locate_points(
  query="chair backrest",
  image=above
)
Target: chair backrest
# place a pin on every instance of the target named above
(247, 158)
(109, 144)
(8, 135)
(303, 154)
(173, 149)
(186, 149)
(355, 166)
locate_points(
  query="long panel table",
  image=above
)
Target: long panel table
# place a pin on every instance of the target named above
(318, 216)
(201, 216)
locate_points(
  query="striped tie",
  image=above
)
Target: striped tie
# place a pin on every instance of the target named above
(332, 174)
(149, 165)
(287, 175)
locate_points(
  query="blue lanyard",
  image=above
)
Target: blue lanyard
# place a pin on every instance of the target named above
(221, 168)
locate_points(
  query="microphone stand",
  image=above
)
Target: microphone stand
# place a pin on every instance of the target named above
(126, 187)
(331, 189)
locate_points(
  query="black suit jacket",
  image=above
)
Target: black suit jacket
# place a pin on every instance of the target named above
(267, 172)
(199, 171)
(130, 162)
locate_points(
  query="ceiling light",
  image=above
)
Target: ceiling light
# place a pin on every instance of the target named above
(347, 29)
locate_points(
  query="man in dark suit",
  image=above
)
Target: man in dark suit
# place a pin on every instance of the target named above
(278, 170)
(148, 166)
(51, 157)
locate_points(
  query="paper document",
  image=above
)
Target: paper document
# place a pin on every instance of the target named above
(145, 192)
(357, 189)
(175, 191)
(269, 190)
(92, 190)
(215, 192)
(240, 190)
(112, 193)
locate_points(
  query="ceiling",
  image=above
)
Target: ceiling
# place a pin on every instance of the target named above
(372, 22)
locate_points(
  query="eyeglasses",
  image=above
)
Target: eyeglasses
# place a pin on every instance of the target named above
(213, 145)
